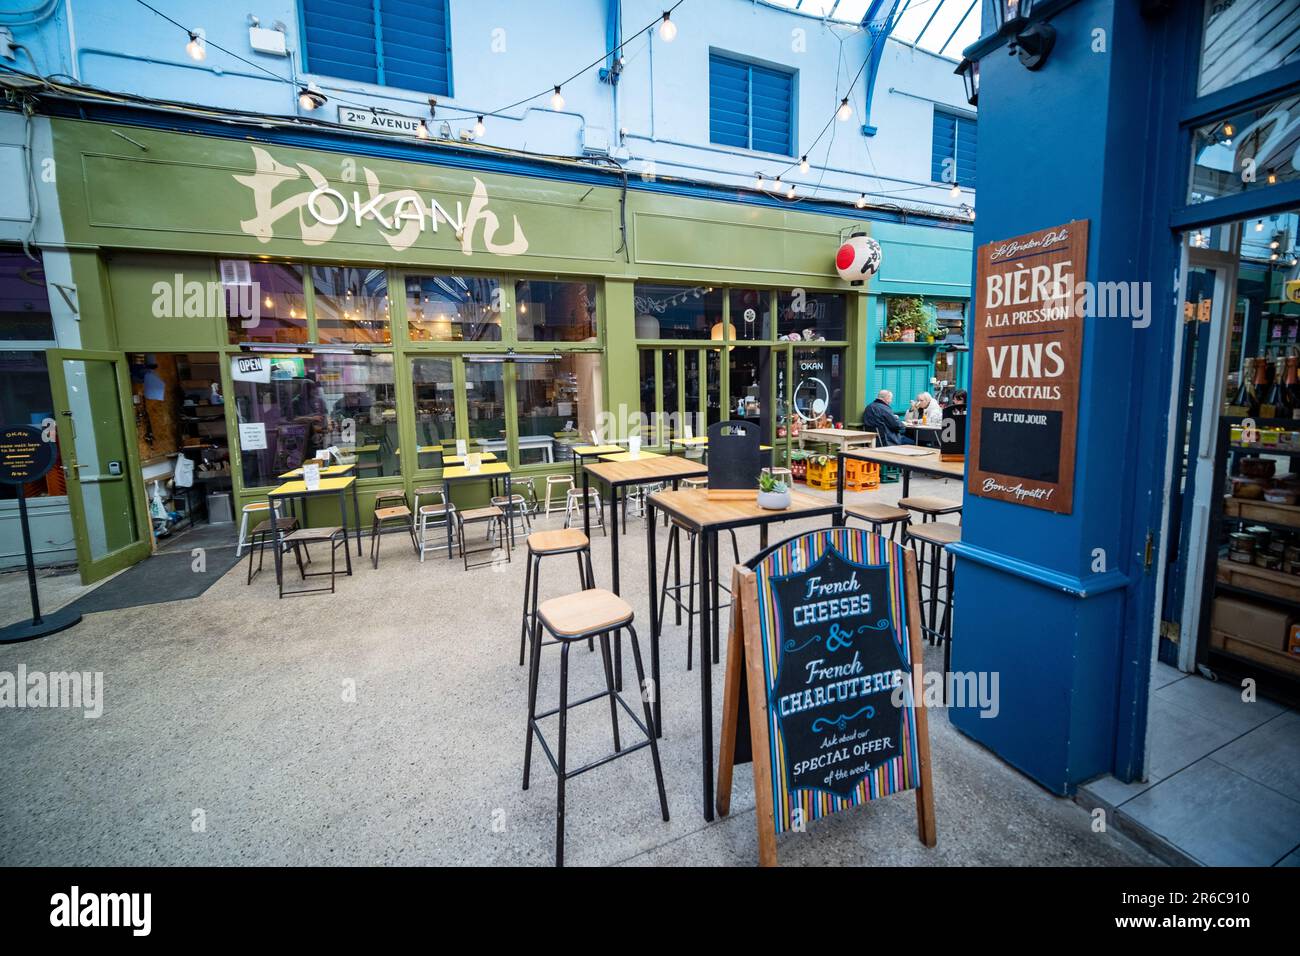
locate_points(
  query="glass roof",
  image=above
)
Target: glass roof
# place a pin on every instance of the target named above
(939, 26)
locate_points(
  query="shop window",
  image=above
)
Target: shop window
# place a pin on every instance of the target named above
(952, 149)
(557, 402)
(485, 406)
(1246, 38)
(677, 312)
(751, 314)
(555, 311)
(264, 301)
(1252, 150)
(394, 43)
(453, 308)
(25, 399)
(810, 316)
(435, 409)
(750, 106)
(24, 301)
(351, 305)
(819, 385)
(310, 402)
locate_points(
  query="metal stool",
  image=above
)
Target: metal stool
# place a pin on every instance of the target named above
(695, 483)
(930, 506)
(255, 507)
(878, 514)
(934, 537)
(389, 496)
(573, 508)
(562, 481)
(298, 540)
(386, 515)
(518, 506)
(575, 617)
(492, 514)
(262, 533)
(546, 544)
(675, 530)
(428, 515)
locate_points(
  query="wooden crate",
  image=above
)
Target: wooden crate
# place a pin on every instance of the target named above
(1251, 510)
(1276, 660)
(1277, 584)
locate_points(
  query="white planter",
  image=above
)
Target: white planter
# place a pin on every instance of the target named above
(774, 500)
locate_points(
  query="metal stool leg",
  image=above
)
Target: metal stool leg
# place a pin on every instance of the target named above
(523, 621)
(609, 686)
(560, 773)
(534, 665)
(649, 720)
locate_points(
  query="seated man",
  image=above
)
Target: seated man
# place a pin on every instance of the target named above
(879, 416)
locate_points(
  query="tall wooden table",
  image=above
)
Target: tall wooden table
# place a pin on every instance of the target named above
(694, 510)
(489, 472)
(293, 490)
(618, 475)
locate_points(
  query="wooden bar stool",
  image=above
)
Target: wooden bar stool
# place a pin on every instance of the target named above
(672, 592)
(491, 514)
(397, 514)
(264, 533)
(879, 514)
(518, 505)
(548, 544)
(934, 537)
(434, 514)
(300, 539)
(575, 617)
(929, 507)
(557, 481)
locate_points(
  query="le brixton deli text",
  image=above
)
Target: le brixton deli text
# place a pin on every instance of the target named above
(1047, 290)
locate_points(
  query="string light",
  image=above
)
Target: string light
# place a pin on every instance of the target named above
(479, 128)
(197, 48)
(845, 112)
(310, 97)
(557, 100)
(1228, 130)
(955, 192)
(862, 201)
(776, 184)
(803, 164)
(422, 131)
(667, 29)
(758, 182)
(1272, 177)
(789, 193)
(1259, 226)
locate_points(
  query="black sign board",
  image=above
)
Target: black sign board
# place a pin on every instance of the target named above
(25, 454)
(1022, 443)
(823, 677)
(734, 457)
(952, 434)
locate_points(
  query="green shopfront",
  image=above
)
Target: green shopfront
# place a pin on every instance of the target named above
(389, 299)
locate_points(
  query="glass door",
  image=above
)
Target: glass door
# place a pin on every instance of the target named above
(101, 464)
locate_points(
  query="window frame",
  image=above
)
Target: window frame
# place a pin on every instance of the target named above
(376, 27)
(749, 63)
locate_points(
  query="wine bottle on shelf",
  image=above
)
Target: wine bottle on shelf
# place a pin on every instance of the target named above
(1240, 404)
(1259, 389)
(1277, 405)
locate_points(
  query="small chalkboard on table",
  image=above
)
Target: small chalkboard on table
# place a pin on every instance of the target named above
(734, 460)
(27, 453)
(824, 686)
(952, 436)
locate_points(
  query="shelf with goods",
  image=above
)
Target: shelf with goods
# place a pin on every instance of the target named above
(1251, 602)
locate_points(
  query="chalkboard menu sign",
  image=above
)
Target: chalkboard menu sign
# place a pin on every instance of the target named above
(952, 434)
(734, 461)
(825, 645)
(25, 455)
(1028, 344)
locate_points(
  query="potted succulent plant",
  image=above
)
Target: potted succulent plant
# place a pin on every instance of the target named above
(773, 494)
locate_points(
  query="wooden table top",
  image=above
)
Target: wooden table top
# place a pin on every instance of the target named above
(329, 471)
(923, 425)
(484, 471)
(833, 433)
(928, 462)
(694, 507)
(591, 451)
(645, 469)
(484, 456)
(300, 487)
(689, 442)
(627, 456)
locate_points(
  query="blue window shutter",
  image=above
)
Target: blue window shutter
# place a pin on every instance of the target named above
(414, 40)
(954, 138)
(339, 39)
(966, 142)
(398, 43)
(728, 102)
(771, 109)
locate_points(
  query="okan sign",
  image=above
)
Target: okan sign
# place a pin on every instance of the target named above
(1028, 343)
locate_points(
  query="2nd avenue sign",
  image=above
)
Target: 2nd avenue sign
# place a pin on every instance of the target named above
(1025, 373)
(377, 122)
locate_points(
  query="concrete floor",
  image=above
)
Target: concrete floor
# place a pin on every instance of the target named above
(230, 709)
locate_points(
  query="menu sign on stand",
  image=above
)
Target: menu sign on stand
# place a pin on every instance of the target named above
(823, 685)
(27, 453)
(734, 460)
(1028, 344)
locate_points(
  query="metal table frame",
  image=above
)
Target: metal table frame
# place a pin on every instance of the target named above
(481, 475)
(303, 495)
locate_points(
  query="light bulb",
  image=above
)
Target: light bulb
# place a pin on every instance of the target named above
(422, 131)
(1274, 244)
(310, 97)
(667, 29)
(803, 164)
(197, 48)
(1272, 177)
(758, 183)
(955, 192)
(789, 193)
(1259, 226)
(268, 302)
(862, 201)
(1228, 130)
(479, 128)
(776, 184)
(557, 100)
(845, 112)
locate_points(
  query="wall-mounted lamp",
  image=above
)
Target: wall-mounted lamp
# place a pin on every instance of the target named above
(1030, 41)
(969, 70)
